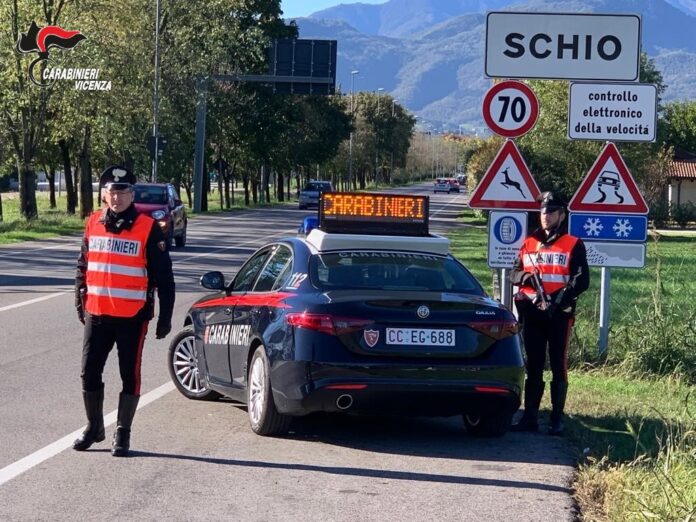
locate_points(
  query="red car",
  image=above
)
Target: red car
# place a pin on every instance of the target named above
(454, 184)
(162, 203)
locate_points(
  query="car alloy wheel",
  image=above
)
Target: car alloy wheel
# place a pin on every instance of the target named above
(257, 390)
(183, 367)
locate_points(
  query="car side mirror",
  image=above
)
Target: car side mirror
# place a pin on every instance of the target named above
(213, 280)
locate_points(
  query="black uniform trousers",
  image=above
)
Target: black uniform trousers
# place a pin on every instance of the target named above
(539, 332)
(128, 334)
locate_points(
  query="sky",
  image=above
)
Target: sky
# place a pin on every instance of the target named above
(297, 8)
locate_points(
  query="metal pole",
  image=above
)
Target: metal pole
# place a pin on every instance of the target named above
(505, 289)
(198, 160)
(156, 94)
(377, 137)
(604, 304)
(350, 140)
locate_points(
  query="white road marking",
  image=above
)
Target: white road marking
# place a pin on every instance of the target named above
(17, 468)
(31, 301)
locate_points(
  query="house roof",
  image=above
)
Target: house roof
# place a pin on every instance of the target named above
(682, 169)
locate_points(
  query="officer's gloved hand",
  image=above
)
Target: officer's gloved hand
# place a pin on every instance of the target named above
(164, 326)
(80, 313)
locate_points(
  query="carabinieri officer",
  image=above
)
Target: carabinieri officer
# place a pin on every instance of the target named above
(124, 258)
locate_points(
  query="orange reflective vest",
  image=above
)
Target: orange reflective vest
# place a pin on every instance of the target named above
(116, 275)
(552, 261)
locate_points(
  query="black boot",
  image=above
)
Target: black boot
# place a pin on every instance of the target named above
(559, 390)
(127, 404)
(533, 392)
(94, 407)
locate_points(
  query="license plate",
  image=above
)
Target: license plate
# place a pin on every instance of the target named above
(420, 337)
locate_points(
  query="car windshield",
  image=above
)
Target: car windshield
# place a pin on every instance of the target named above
(317, 187)
(154, 195)
(391, 271)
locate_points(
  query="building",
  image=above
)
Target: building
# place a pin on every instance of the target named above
(682, 178)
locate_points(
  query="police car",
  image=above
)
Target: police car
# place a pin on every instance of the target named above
(368, 313)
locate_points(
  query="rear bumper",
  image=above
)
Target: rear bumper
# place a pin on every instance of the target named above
(428, 391)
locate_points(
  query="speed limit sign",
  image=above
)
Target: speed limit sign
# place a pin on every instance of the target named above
(510, 109)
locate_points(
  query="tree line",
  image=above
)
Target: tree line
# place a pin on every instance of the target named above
(253, 136)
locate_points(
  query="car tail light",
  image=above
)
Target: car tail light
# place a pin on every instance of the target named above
(329, 324)
(496, 329)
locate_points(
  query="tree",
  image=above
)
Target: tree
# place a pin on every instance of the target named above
(24, 105)
(679, 126)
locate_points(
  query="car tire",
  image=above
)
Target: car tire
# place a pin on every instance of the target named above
(494, 425)
(183, 368)
(181, 240)
(264, 418)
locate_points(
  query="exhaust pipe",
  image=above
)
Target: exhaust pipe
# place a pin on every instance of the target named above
(344, 401)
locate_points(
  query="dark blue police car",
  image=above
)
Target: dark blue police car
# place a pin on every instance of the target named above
(368, 313)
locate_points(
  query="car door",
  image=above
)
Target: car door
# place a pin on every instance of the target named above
(219, 320)
(256, 310)
(238, 289)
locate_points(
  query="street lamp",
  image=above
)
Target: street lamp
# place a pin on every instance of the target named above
(379, 89)
(350, 141)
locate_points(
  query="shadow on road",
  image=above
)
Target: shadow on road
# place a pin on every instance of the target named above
(362, 472)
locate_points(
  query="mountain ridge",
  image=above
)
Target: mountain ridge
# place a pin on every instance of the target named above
(431, 59)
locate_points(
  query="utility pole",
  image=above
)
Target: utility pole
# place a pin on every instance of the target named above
(380, 89)
(155, 110)
(350, 140)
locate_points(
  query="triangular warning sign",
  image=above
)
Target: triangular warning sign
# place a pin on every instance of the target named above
(507, 183)
(608, 187)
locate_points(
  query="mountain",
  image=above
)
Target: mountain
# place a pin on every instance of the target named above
(428, 54)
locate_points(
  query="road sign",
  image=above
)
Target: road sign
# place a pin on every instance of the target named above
(609, 227)
(615, 255)
(507, 183)
(608, 187)
(510, 108)
(612, 111)
(506, 233)
(564, 46)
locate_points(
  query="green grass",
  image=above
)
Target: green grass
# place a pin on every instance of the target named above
(51, 222)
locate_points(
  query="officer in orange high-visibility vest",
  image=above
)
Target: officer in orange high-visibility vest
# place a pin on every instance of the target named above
(123, 260)
(551, 271)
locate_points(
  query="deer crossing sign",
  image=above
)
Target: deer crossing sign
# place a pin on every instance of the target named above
(564, 46)
(507, 184)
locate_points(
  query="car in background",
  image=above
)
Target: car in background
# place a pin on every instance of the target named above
(367, 314)
(454, 184)
(309, 195)
(442, 185)
(162, 202)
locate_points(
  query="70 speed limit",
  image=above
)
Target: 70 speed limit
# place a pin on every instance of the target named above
(510, 109)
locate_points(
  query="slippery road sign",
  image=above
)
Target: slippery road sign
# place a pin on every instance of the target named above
(608, 187)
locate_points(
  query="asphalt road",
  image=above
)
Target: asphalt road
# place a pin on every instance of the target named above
(200, 460)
